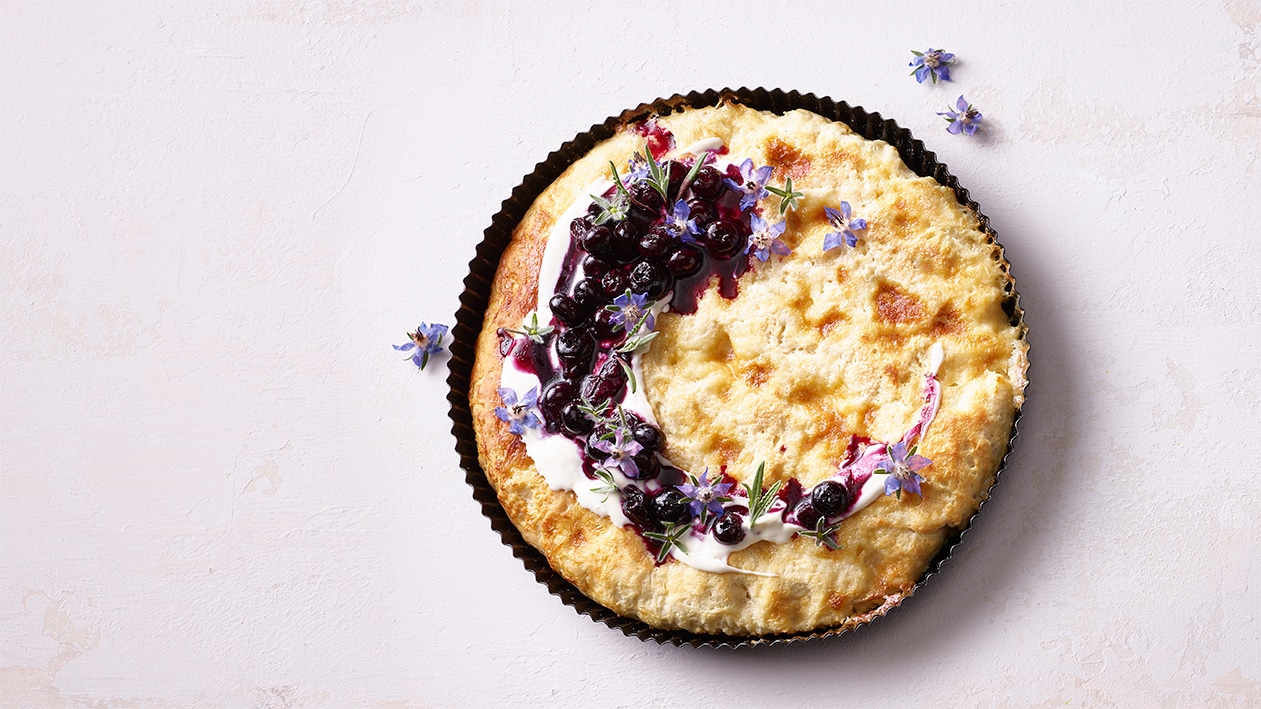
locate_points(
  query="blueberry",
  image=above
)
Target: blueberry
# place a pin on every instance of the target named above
(650, 198)
(807, 515)
(578, 228)
(677, 172)
(607, 384)
(651, 279)
(626, 240)
(830, 498)
(724, 239)
(702, 210)
(671, 507)
(602, 324)
(614, 283)
(656, 245)
(599, 242)
(708, 183)
(636, 506)
(574, 420)
(729, 529)
(648, 436)
(567, 310)
(594, 266)
(686, 261)
(648, 463)
(555, 396)
(589, 295)
(574, 345)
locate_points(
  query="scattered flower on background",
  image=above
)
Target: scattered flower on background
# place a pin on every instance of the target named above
(752, 185)
(765, 239)
(903, 467)
(425, 341)
(842, 220)
(934, 64)
(965, 120)
(706, 496)
(518, 412)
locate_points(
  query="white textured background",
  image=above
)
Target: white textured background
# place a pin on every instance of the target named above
(220, 487)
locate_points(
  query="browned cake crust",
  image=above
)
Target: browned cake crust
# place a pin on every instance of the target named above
(817, 347)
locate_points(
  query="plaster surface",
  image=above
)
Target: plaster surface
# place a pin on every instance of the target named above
(221, 487)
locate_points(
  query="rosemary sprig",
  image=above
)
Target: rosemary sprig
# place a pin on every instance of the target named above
(658, 178)
(671, 539)
(628, 371)
(610, 484)
(787, 196)
(824, 536)
(696, 169)
(617, 180)
(597, 412)
(533, 330)
(760, 500)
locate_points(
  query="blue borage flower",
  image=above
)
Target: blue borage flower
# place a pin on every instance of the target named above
(752, 184)
(636, 168)
(842, 220)
(966, 120)
(765, 239)
(934, 64)
(427, 340)
(706, 497)
(680, 223)
(629, 309)
(518, 412)
(621, 452)
(903, 470)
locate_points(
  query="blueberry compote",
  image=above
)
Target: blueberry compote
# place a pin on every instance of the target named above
(619, 271)
(627, 258)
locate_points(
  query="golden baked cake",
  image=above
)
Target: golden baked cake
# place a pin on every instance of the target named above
(744, 373)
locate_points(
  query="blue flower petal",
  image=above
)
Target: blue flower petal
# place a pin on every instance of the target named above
(911, 484)
(831, 241)
(897, 452)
